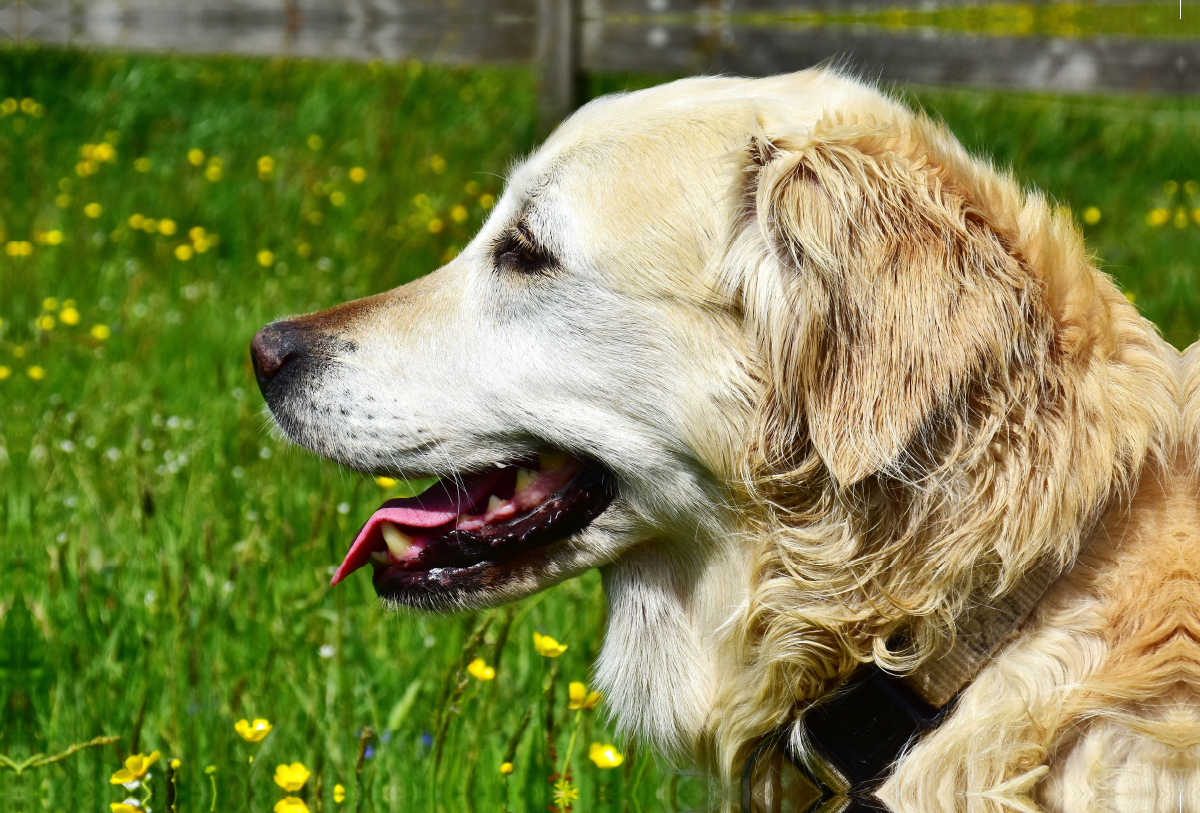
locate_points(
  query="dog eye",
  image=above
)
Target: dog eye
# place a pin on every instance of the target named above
(519, 252)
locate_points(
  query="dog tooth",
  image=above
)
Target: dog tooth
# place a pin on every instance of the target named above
(379, 556)
(494, 502)
(525, 479)
(397, 541)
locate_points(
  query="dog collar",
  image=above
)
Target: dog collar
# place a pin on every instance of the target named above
(854, 736)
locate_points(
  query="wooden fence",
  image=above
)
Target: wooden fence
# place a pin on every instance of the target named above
(569, 38)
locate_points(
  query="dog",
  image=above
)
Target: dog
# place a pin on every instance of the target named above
(813, 388)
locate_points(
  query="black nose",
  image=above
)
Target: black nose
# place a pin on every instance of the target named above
(271, 350)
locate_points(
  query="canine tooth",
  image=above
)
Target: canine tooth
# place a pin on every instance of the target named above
(494, 502)
(379, 556)
(397, 541)
(525, 479)
(549, 461)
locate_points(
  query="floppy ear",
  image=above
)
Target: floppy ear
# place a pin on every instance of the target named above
(908, 290)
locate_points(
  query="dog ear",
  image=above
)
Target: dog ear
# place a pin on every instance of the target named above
(898, 291)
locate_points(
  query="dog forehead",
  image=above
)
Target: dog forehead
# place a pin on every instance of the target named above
(640, 154)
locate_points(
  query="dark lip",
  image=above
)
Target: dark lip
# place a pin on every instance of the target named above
(460, 561)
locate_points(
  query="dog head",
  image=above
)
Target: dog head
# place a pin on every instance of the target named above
(776, 354)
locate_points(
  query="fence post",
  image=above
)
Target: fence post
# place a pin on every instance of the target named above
(558, 62)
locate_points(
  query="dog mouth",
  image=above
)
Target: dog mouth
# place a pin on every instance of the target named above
(490, 518)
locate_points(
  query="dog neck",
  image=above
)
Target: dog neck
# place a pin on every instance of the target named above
(849, 743)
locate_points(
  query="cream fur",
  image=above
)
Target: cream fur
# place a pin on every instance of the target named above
(851, 380)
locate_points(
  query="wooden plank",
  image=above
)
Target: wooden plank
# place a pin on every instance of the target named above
(710, 9)
(444, 31)
(1035, 63)
(558, 62)
(538, 31)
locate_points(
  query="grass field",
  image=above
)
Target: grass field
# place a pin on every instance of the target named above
(165, 561)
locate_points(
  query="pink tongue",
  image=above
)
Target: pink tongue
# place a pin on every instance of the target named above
(443, 502)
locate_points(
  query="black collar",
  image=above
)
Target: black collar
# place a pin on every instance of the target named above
(851, 740)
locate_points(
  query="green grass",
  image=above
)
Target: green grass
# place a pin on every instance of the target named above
(165, 560)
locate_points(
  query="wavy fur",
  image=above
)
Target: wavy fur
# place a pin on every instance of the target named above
(953, 393)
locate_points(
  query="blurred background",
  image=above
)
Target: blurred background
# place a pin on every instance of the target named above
(176, 174)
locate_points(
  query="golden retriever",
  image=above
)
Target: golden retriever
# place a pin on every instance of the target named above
(814, 388)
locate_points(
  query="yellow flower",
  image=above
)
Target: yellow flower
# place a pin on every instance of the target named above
(44, 322)
(472, 188)
(480, 670)
(1191, 187)
(93, 210)
(166, 226)
(136, 221)
(4, 372)
(266, 165)
(1181, 218)
(1170, 187)
(420, 200)
(459, 213)
(314, 218)
(53, 237)
(142, 165)
(339, 794)
(100, 332)
(290, 804)
(149, 225)
(136, 767)
(337, 198)
(580, 698)
(253, 732)
(86, 168)
(69, 316)
(1129, 295)
(104, 152)
(605, 756)
(435, 225)
(197, 233)
(265, 258)
(565, 793)
(18, 248)
(121, 807)
(1091, 215)
(49, 304)
(213, 172)
(8, 107)
(487, 201)
(546, 646)
(315, 142)
(291, 777)
(304, 249)
(196, 157)
(63, 201)
(175, 764)
(28, 105)
(385, 482)
(437, 163)
(358, 174)
(506, 768)
(1158, 217)
(184, 252)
